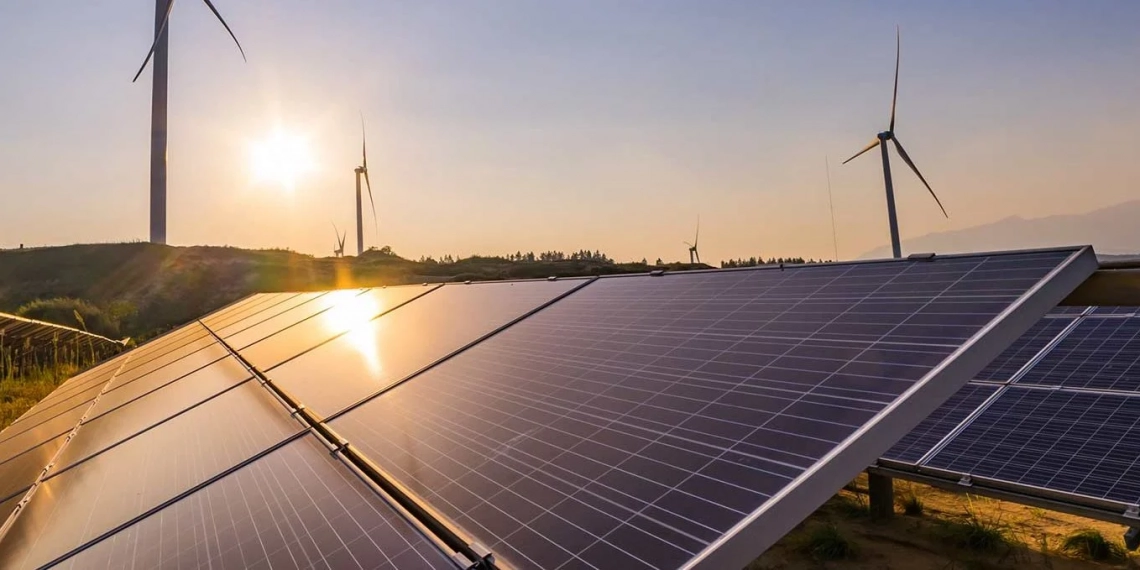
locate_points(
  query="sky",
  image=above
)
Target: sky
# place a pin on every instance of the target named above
(507, 125)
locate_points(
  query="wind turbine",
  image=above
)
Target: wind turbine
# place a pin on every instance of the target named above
(338, 249)
(159, 51)
(693, 254)
(362, 170)
(881, 141)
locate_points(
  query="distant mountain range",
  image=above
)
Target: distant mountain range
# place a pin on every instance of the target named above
(1113, 232)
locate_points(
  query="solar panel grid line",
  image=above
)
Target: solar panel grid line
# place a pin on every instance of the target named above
(906, 411)
(444, 358)
(427, 289)
(439, 533)
(10, 520)
(159, 507)
(965, 423)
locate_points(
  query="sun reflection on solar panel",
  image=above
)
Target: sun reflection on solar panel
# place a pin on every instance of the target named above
(352, 312)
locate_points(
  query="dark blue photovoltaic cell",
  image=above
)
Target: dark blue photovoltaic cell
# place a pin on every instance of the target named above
(294, 508)
(637, 420)
(1023, 350)
(1099, 354)
(938, 425)
(1072, 442)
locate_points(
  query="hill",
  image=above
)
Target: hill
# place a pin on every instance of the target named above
(141, 288)
(1111, 230)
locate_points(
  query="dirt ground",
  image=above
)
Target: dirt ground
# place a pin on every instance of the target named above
(1033, 537)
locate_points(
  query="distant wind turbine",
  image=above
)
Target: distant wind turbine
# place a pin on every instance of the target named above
(881, 141)
(338, 248)
(159, 51)
(694, 256)
(362, 170)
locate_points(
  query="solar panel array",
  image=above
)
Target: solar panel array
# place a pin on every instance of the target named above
(1056, 416)
(683, 420)
(28, 343)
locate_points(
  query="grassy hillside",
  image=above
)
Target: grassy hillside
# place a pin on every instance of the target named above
(143, 288)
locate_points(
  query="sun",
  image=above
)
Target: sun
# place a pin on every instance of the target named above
(282, 158)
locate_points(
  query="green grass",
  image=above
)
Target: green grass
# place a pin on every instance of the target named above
(824, 542)
(19, 393)
(1092, 545)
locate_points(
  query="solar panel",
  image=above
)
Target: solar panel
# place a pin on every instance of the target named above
(647, 421)
(173, 365)
(1073, 442)
(186, 389)
(80, 503)
(1024, 349)
(352, 311)
(1060, 431)
(401, 342)
(100, 432)
(914, 445)
(19, 472)
(294, 508)
(691, 419)
(25, 440)
(1099, 353)
(249, 331)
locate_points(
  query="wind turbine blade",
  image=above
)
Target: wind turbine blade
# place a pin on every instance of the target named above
(873, 144)
(375, 224)
(227, 27)
(363, 143)
(697, 239)
(910, 163)
(157, 35)
(895, 98)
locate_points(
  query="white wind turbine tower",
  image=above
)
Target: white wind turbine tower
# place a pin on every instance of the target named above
(159, 51)
(881, 141)
(362, 170)
(694, 256)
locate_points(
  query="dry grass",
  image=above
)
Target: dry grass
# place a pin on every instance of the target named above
(955, 532)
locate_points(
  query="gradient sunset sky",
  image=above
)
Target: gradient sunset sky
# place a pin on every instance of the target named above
(503, 125)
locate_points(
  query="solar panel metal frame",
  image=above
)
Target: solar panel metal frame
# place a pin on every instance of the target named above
(777, 516)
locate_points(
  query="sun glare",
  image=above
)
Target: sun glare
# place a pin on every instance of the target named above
(352, 314)
(282, 158)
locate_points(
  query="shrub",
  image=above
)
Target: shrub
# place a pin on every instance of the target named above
(912, 505)
(976, 533)
(1091, 544)
(63, 311)
(826, 542)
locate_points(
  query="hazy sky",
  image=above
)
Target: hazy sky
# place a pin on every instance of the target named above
(504, 125)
